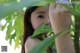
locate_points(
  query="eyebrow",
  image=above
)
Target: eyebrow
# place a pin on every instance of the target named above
(42, 12)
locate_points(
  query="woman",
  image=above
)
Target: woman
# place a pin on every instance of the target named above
(55, 16)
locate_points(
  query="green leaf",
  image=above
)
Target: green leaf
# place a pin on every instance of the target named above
(9, 30)
(51, 1)
(16, 43)
(76, 10)
(18, 26)
(9, 8)
(3, 27)
(42, 29)
(3, 1)
(12, 37)
(43, 3)
(42, 46)
(8, 18)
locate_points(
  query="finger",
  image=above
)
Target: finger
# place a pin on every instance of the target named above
(53, 5)
(64, 9)
(58, 6)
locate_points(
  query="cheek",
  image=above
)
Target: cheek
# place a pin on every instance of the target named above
(36, 24)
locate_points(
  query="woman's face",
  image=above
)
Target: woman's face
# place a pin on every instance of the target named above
(40, 16)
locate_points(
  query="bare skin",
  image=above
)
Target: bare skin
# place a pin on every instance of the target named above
(38, 17)
(60, 20)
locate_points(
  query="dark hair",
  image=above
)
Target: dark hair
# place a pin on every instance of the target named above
(28, 29)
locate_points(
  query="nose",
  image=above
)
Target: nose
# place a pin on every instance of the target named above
(47, 22)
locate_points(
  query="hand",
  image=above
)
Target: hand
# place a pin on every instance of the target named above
(60, 18)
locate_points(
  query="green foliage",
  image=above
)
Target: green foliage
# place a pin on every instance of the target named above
(43, 46)
(75, 11)
(42, 29)
(12, 12)
(10, 7)
(14, 28)
(3, 1)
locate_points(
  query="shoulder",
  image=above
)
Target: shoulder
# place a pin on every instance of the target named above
(30, 43)
(32, 40)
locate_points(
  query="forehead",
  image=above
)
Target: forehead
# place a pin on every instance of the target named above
(42, 9)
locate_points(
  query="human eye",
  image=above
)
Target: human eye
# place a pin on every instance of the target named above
(40, 16)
